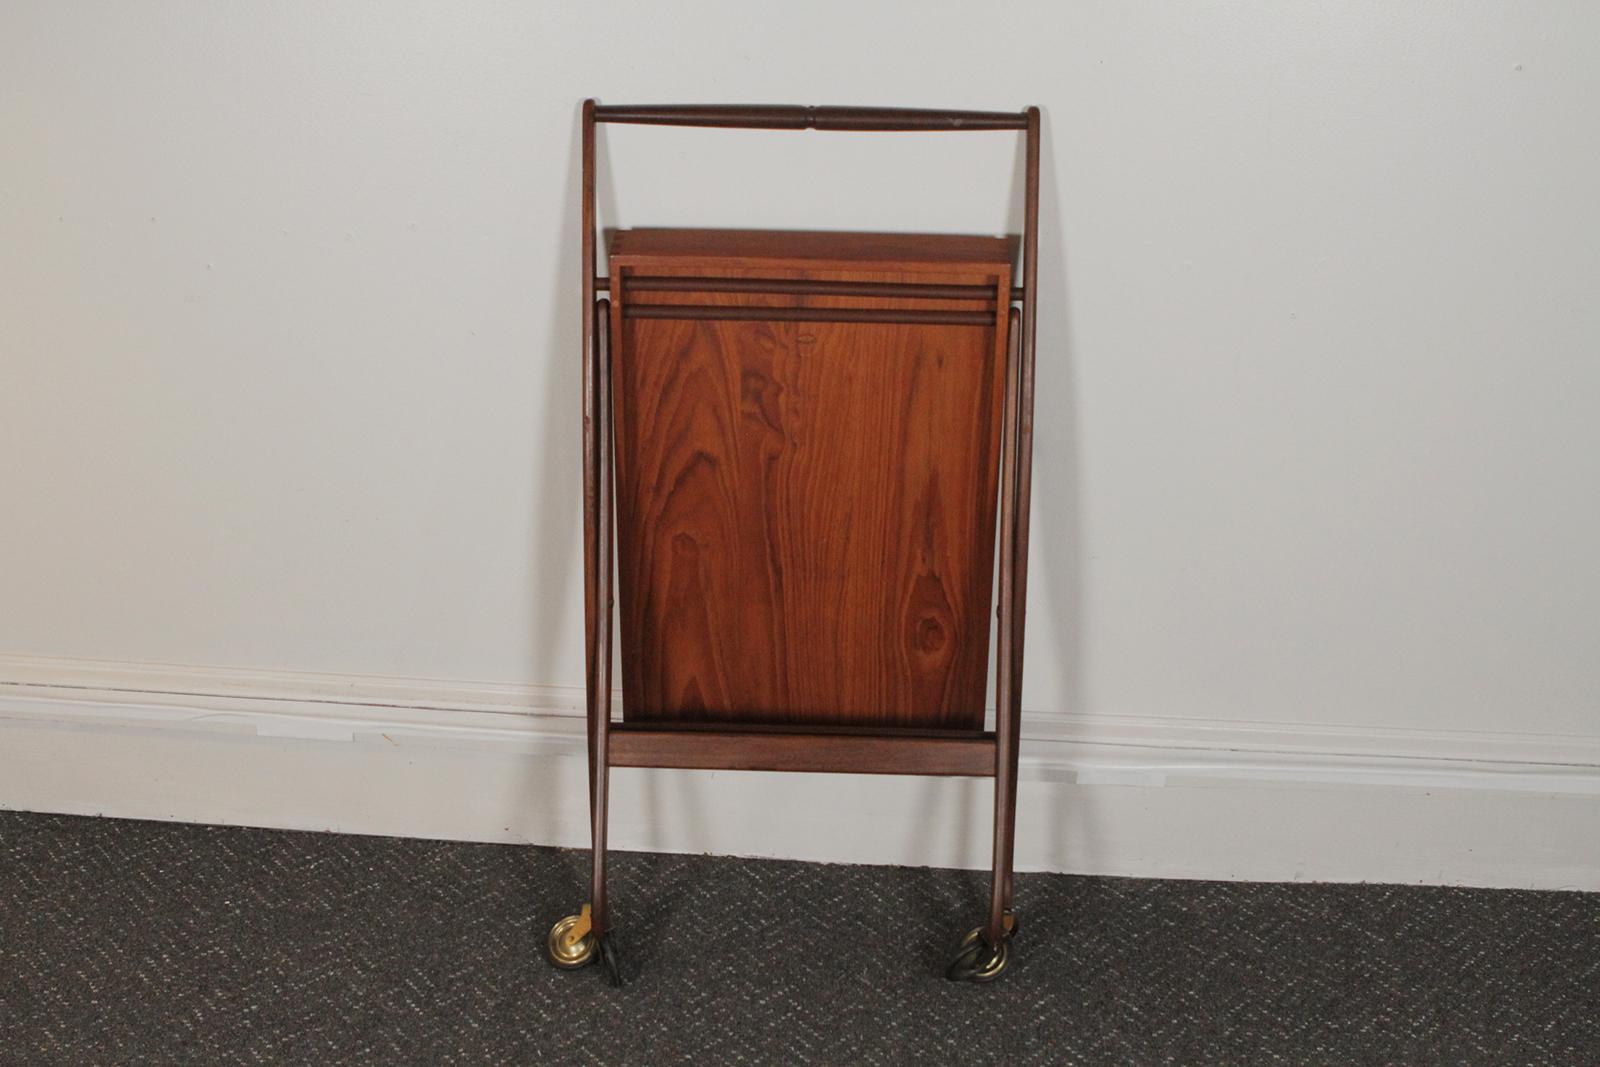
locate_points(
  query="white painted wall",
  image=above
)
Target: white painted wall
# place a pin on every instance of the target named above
(288, 328)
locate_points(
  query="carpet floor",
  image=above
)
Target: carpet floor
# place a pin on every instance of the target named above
(151, 943)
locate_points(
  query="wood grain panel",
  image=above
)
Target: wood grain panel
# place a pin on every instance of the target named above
(806, 509)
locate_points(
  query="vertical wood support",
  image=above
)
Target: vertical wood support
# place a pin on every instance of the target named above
(1030, 324)
(596, 531)
(601, 754)
(1005, 734)
(1016, 490)
(591, 425)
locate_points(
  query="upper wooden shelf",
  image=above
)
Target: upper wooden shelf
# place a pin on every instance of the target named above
(936, 251)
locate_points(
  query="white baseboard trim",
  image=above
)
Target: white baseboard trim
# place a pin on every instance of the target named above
(1100, 794)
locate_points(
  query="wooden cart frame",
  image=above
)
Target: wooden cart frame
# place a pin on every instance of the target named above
(579, 939)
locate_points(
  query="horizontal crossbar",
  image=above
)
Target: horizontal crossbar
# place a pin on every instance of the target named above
(602, 284)
(791, 117)
(965, 754)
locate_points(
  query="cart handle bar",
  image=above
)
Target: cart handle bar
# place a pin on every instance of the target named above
(791, 117)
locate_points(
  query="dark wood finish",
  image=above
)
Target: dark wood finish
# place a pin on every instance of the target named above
(858, 753)
(791, 117)
(806, 510)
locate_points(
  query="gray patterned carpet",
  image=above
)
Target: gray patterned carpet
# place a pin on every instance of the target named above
(129, 942)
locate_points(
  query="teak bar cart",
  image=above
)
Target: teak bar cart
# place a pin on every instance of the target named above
(797, 444)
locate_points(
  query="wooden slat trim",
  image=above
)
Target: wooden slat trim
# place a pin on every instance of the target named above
(782, 314)
(645, 283)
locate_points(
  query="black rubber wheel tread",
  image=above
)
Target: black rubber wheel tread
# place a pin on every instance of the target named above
(978, 961)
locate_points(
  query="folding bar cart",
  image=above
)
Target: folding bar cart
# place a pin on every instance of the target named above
(797, 444)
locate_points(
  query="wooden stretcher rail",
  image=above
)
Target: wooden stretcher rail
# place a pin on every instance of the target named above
(698, 311)
(966, 755)
(802, 117)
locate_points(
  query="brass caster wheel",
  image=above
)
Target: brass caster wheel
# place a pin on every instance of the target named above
(572, 943)
(976, 960)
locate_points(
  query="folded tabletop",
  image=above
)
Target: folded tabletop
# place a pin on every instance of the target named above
(807, 435)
